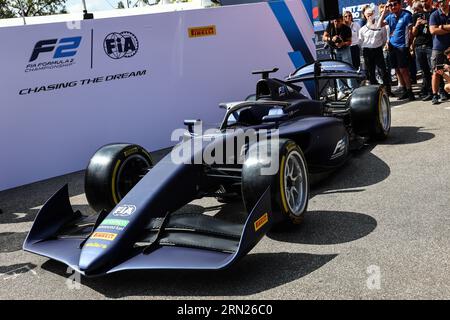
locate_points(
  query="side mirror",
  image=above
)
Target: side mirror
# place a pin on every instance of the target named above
(191, 123)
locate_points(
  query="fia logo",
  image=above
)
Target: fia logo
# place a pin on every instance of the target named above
(118, 45)
(66, 47)
(124, 210)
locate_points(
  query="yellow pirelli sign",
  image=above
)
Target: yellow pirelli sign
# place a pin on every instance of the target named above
(205, 31)
(104, 236)
(261, 221)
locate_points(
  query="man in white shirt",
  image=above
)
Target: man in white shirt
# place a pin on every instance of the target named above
(373, 39)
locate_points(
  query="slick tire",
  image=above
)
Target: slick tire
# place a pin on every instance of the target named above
(289, 185)
(112, 172)
(371, 112)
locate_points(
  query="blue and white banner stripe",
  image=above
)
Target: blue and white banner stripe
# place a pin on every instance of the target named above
(301, 54)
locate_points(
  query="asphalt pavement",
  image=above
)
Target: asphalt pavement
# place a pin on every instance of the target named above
(379, 228)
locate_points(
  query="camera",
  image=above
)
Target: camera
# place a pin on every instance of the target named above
(440, 67)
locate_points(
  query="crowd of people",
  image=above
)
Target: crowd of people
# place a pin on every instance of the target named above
(406, 36)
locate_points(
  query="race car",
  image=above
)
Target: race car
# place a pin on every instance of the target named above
(264, 153)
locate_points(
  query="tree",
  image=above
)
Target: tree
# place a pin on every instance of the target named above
(27, 8)
(5, 11)
(137, 3)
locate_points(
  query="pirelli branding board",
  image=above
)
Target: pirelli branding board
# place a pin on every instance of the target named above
(108, 236)
(261, 221)
(205, 31)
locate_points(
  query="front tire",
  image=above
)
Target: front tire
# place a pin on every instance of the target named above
(289, 185)
(112, 172)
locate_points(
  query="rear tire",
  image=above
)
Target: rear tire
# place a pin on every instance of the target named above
(112, 172)
(289, 185)
(371, 112)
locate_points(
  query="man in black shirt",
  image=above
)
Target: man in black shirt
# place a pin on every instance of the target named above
(339, 36)
(423, 46)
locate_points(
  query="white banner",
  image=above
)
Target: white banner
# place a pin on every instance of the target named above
(68, 88)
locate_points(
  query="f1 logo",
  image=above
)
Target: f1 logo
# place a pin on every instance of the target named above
(66, 47)
(340, 148)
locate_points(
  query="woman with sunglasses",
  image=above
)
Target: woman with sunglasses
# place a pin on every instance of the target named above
(354, 48)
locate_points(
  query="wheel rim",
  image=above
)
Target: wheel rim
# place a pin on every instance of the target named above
(295, 183)
(384, 114)
(131, 171)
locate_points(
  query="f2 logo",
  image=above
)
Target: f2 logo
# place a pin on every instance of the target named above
(66, 47)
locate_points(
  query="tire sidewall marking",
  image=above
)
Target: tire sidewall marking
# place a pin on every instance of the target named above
(282, 194)
(114, 177)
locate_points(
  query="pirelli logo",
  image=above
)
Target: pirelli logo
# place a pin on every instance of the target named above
(131, 151)
(205, 31)
(261, 221)
(104, 236)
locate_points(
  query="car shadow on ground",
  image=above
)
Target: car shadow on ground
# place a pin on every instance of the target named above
(11, 241)
(328, 227)
(253, 274)
(363, 169)
(17, 208)
(16, 269)
(407, 135)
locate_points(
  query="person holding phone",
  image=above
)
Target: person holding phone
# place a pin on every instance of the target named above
(440, 29)
(400, 27)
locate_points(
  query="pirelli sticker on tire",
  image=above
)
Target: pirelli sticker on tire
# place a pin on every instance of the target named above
(291, 146)
(205, 31)
(130, 151)
(108, 236)
(261, 221)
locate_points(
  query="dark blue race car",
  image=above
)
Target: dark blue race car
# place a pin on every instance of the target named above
(265, 154)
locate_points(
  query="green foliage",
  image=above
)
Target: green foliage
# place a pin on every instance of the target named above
(28, 8)
(5, 11)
